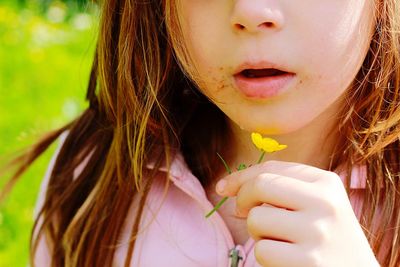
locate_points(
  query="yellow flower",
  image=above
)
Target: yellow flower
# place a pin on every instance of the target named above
(266, 144)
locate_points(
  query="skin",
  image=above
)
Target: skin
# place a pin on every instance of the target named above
(299, 216)
(324, 42)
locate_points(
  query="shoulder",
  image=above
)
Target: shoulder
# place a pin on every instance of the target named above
(42, 256)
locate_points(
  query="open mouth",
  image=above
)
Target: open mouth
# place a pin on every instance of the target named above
(262, 82)
(261, 73)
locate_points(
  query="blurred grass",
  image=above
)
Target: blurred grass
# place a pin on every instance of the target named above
(45, 60)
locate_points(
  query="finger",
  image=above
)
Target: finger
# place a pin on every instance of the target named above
(281, 254)
(276, 190)
(301, 171)
(234, 181)
(275, 223)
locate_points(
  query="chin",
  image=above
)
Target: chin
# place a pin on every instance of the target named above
(277, 128)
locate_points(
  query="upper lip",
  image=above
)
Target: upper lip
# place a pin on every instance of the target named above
(259, 65)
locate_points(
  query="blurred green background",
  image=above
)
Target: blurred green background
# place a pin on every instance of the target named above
(46, 51)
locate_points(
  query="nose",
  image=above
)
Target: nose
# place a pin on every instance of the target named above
(256, 15)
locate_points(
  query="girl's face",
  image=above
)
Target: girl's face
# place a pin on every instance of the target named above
(321, 42)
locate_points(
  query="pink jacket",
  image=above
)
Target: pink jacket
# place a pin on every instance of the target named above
(179, 235)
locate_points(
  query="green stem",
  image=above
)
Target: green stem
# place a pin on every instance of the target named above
(261, 157)
(225, 164)
(219, 204)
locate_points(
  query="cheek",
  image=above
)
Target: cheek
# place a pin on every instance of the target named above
(215, 84)
(203, 24)
(336, 55)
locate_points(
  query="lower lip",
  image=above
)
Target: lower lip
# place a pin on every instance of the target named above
(263, 87)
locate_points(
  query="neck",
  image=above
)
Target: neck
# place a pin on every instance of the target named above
(311, 145)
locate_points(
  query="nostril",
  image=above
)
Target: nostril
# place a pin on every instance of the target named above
(239, 26)
(266, 24)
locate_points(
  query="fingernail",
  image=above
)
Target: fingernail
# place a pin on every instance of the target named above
(221, 186)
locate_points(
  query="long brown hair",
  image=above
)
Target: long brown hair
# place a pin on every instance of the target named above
(143, 104)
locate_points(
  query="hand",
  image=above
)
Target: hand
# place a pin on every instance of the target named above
(299, 216)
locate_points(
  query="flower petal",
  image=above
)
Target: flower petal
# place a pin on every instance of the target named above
(257, 140)
(266, 144)
(269, 144)
(281, 147)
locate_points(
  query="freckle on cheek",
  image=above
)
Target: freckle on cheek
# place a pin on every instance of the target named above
(220, 87)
